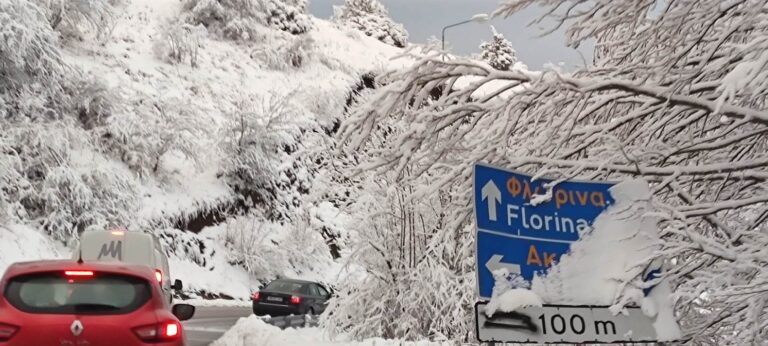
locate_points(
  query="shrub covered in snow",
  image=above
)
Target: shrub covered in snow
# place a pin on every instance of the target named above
(499, 52)
(283, 54)
(268, 254)
(372, 18)
(54, 183)
(242, 19)
(93, 102)
(289, 15)
(12, 183)
(146, 131)
(180, 41)
(75, 18)
(74, 200)
(188, 246)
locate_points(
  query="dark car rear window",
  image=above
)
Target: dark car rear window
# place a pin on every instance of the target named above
(285, 286)
(55, 293)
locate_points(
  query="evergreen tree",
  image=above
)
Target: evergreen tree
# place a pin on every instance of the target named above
(372, 18)
(499, 52)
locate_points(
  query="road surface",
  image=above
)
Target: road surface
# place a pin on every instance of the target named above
(210, 323)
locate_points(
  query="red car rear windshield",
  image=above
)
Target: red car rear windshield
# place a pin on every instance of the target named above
(56, 293)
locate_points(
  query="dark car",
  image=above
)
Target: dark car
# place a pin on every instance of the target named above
(284, 297)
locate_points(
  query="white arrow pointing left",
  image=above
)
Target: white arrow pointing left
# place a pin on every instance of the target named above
(492, 194)
(495, 263)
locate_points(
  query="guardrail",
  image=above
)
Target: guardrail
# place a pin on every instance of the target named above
(291, 321)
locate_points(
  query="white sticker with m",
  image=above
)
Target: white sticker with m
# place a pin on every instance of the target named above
(113, 250)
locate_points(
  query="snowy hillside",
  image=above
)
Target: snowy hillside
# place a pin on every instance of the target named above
(184, 128)
(260, 142)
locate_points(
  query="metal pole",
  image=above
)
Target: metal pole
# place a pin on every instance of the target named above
(450, 26)
(443, 47)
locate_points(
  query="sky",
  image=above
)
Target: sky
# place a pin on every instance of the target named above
(426, 18)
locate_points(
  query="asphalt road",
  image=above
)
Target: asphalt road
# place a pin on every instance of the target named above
(210, 323)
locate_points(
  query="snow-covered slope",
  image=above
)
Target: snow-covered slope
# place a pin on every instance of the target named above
(170, 135)
(227, 73)
(21, 243)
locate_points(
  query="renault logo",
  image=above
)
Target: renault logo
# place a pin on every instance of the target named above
(76, 328)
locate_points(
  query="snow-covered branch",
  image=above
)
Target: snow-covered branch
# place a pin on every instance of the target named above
(676, 96)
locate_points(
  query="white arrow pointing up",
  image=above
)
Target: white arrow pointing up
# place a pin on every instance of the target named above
(495, 263)
(492, 194)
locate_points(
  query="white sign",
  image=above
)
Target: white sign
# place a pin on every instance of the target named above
(564, 324)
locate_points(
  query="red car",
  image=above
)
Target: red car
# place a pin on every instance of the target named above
(66, 303)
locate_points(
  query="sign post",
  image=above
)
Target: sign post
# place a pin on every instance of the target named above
(524, 238)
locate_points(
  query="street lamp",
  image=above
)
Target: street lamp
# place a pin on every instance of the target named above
(478, 18)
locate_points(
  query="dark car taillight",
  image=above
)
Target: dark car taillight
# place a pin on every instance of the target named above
(7, 331)
(255, 296)
(166, 331)
(295, 300)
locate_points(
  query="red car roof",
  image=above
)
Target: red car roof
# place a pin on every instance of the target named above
(21, 268)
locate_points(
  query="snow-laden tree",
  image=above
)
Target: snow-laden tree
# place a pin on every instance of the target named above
(254, 143)
(34, 75)
(499, 52)
(372, 18)
(417, 270)
(676, 96)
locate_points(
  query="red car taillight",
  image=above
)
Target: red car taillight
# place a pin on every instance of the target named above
(78, 273)
(255, 296)
(7, 331)
(166, 331)
(295, 300)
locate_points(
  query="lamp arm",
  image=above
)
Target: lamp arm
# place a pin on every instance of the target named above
(450, 26)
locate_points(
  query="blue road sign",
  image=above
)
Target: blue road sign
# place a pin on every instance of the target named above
(524, 238)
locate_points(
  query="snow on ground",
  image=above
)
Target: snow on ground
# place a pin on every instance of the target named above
(221, 278)
(216, 302)
(185, 191)
(21, 243)
(512, 300)
(253, 331)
